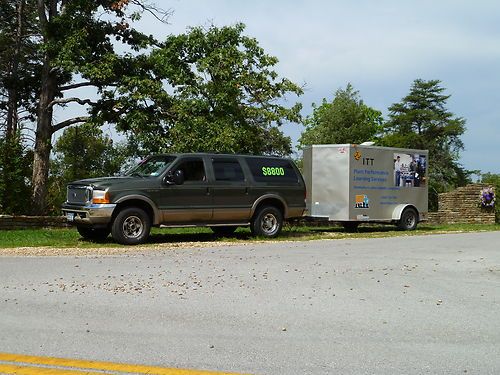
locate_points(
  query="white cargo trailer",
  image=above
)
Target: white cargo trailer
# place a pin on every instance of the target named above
(352, 184)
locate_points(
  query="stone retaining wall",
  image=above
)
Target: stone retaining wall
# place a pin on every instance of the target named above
(25, 222)
(462, 206)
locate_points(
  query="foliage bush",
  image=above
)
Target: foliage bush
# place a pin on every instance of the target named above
(15, 174)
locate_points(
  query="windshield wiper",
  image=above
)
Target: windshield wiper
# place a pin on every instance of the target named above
(135, 174)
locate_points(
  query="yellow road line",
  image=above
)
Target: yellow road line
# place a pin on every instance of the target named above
(80, 365)
(27, 370)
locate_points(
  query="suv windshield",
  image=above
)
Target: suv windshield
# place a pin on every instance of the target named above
(151, 167)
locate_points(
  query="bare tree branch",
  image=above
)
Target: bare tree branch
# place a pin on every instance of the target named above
(69, 122)
(158, 13)
(70, 100)
(24, 118)
(75, 86)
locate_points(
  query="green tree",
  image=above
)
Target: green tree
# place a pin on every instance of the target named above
(79, 40)
(223, 96)
(345, 120)
(81, 152)
(19, 74)
(19, 68)
(422, 121)
(15, 168)
(207, 89)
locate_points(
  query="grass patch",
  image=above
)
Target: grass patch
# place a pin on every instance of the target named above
(42, 237)
(64, 238)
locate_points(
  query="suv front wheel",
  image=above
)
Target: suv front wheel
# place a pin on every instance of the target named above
(131, 226)
(267, 222)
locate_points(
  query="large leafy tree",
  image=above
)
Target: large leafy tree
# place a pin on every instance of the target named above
(346, 119)
(422, 121)
(79, 40)
(209, 89)
(219, 93)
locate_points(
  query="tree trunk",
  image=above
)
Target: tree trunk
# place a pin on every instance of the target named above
(44, 130)
(43, 142)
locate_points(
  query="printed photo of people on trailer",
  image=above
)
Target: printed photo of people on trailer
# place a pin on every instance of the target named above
(410, 170)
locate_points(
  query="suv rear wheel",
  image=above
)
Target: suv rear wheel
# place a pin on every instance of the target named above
(267, 222)
(131, 226)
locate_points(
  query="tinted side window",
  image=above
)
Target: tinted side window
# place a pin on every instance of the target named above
(193, 170)
(228, 170)
(272, 170)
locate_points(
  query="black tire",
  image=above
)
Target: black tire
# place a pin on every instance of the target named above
(131, 226)
(350, 226)
(267, 222)
(93, 234)
(409, 219)
(224, 231)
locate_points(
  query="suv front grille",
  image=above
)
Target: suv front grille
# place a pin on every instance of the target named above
(78, 194)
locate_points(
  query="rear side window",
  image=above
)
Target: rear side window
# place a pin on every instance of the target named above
(193, 170)
(228, 170)
(272, 170)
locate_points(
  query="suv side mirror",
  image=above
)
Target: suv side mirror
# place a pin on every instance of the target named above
(175, 178)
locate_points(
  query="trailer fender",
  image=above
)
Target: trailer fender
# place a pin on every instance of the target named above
(398, 210)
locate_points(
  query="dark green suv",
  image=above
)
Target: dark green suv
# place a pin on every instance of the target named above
(215, 190)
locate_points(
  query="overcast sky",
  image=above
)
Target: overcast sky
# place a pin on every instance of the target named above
(380, 47)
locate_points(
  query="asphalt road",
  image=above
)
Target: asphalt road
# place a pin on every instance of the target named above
(405, 305)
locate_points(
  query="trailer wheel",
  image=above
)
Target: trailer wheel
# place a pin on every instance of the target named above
(409, 219)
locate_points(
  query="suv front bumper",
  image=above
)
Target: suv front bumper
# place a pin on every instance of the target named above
(94, 215)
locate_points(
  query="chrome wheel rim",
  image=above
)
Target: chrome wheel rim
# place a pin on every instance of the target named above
(410, 221)
(269, 224)
(132, 227)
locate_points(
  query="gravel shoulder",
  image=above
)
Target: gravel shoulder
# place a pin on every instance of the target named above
(43, 251)
(158, 247)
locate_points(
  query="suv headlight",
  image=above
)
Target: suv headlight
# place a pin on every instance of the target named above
(100, 197)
